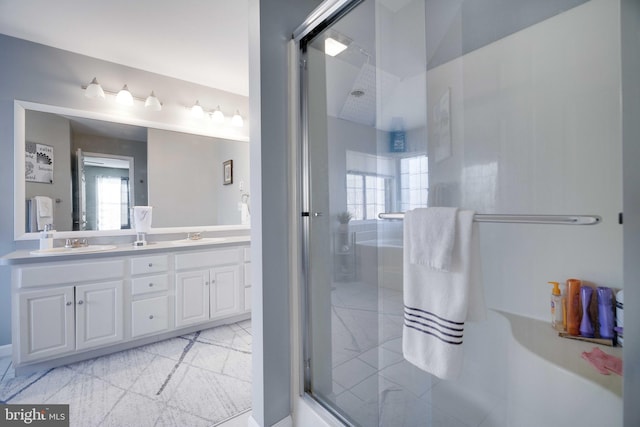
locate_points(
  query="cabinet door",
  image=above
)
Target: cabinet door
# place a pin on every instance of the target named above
(225, 291)
(99, 316)
(46, 323)
(192, 297)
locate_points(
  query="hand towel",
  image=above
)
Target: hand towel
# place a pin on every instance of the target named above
(44, 211)
(437, 303)
(430, 241)
(142, 218)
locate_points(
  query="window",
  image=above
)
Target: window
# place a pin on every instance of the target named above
(113, 202)
(367, 195)
(414, 182)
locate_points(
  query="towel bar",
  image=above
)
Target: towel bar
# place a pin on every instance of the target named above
(521, 219)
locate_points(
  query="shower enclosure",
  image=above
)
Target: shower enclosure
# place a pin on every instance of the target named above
(502, 107)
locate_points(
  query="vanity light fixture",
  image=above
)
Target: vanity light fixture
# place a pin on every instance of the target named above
(94, 90)
(236, 120)
(217, 115)
(197, 111)
(152, 102)
(124, 97)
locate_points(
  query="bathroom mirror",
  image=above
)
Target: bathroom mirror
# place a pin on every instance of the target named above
(101, 167)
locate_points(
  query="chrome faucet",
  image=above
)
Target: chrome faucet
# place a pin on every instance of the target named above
(194, 236)
(76, 243)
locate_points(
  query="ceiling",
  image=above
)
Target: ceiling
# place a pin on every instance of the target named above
(200, 41)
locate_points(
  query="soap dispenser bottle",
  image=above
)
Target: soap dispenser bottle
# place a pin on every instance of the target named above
(573, 306)
(556, 307)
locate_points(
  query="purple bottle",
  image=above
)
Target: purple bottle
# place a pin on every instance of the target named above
(586, 327)
(605, 311)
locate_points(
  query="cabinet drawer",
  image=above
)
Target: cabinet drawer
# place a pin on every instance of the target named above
(147, 284)
(207, 259)
(149, 264)
(149, 315)
(53, 274)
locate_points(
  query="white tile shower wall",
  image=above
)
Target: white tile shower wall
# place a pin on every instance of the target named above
(536, 129)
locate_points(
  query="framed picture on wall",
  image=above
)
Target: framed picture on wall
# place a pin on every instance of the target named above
(39, 163)
(227, 172)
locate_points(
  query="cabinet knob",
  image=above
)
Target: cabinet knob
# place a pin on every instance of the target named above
(150, 316)
(150, 264)
(80, 302)
(69, 303)
(206, 283)
(151, 285)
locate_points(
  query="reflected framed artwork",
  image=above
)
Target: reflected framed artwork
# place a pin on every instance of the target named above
(227, 172)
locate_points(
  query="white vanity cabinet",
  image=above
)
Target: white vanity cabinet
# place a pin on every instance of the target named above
(150, 295)
(67, 307)
(208, 285)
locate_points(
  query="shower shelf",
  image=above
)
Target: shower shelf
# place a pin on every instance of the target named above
(540, 338)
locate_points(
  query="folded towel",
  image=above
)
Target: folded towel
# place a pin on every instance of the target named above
(44, 211)
(142, 218)
(438, 303)
(430, 241)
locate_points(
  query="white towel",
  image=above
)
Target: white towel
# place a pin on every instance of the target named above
(438, 303)
(430, 241)
(142, 218)
(44, 211)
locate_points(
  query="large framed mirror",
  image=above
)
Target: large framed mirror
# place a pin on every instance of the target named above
(92, 168)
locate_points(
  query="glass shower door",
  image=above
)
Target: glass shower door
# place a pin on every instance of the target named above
(497, 107)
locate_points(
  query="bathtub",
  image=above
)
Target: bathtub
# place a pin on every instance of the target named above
(387, 256)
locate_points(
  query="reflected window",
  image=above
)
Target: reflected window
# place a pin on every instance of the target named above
(368, 195)
(414, 182)
(112, 202)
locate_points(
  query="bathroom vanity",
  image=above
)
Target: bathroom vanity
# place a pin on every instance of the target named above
(70, 306)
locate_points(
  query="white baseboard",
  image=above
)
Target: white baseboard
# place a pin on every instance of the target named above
(5, 350)
(285, 422)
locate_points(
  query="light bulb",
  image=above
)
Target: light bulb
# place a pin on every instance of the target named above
(217, 115)
(124, 97)
(197, 111)
(94, 90)
(153, 103)
(236, 120)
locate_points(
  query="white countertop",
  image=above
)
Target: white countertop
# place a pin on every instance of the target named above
(26, 256)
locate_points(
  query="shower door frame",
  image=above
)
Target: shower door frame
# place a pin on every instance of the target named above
(322, 17)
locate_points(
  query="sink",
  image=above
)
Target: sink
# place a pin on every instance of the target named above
(202, 241)
(68, 251)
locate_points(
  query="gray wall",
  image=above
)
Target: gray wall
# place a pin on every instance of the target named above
(270, 28)
(37, 73)
(630, 23)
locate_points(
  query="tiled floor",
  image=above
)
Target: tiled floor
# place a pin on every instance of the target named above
(372, 383)
(200, 379)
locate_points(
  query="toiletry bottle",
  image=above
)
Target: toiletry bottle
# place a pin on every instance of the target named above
(605, 311)
(573, 306)
(556, 307)
(46, 237)
(586, 327)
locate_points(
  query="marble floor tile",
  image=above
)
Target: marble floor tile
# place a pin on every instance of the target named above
(380, 357)
(36, 388)
(160, 379)
(212, 396)
(238, 365)
(89, 399)
(220, 335)
(133, 410)
(241, 420)
(410, 377)
(352, 372)
(172, 417)
(208, 356)
(173, 348)
(119, 369)
(5, 365)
